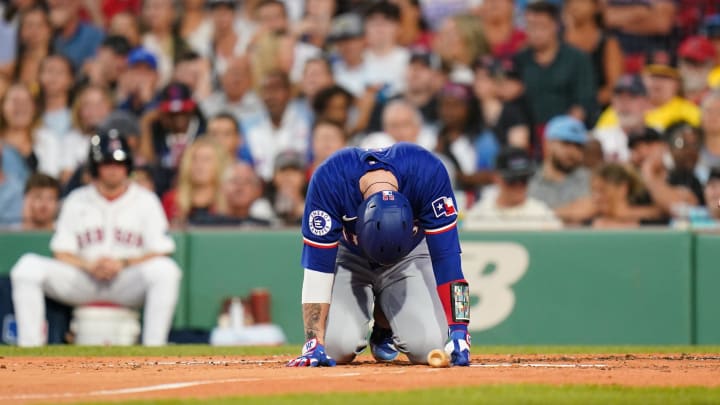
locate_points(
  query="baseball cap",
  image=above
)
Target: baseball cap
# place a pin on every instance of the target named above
(346, 26)
(514, 164)
(421, 54)
(176, 98)
(565, 128)
(662, 71)
(215, 3)
(631, 84)
(456, 90)
(498, 67)
(630, 2)
(142, 55)
(289, 159)
(714, 173)
(711, 26)
(698, 49)
(674, 135)
(659, 62)
(383, 8)
(647, 135)
(123, 121)
(118, 44)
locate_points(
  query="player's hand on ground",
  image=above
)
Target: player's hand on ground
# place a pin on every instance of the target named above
(313, 355)
(458, 347)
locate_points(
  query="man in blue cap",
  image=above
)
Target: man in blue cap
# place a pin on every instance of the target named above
(563, 183)
(138, 84)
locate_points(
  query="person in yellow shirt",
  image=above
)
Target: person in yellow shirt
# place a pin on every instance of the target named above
(663, 86)
(713, 79)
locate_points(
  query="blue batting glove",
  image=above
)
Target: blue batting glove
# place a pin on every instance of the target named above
(458, 347)
(313, 355)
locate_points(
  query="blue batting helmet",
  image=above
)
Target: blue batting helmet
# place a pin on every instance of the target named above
(385, 227)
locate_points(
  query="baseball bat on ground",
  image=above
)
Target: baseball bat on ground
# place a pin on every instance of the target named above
(437, 358)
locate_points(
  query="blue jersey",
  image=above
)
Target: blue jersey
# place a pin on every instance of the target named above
(334, 196)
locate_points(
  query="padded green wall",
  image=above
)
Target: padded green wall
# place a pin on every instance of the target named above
(707, 288)
(584, 287)
(231, 263)
(569, 287)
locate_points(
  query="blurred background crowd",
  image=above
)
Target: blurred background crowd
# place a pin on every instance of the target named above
(547, 114)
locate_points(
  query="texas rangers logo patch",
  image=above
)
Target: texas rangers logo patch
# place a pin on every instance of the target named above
(444, 207)
(319, 223)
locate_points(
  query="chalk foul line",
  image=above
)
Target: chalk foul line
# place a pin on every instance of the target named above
(539, 365)
(131, 390)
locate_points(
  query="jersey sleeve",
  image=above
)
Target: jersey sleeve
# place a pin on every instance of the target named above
(156, 233)
(64, 239)
(438, 216)
(321, 223)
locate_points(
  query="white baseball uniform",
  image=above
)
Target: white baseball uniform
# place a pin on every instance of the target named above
(91, 227)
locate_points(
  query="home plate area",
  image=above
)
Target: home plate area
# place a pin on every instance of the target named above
(27, 380)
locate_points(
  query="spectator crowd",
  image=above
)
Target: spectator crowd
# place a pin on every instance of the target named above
(546, 114)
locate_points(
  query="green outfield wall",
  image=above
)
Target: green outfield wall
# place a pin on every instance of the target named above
(580, 287)
(707, 288)
(226, 263)
(565, 287)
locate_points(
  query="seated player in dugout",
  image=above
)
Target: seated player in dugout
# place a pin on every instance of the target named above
(380, 229)
(111, 244)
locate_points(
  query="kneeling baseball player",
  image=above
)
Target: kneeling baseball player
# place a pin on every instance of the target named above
(380, 229)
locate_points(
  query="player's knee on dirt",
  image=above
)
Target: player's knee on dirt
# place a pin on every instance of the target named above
(342, 353)
(28, 269)
(417, 346)
(342, 358)
(343, 346)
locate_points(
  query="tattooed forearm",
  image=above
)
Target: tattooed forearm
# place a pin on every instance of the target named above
(315, 317)
(311, 316)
